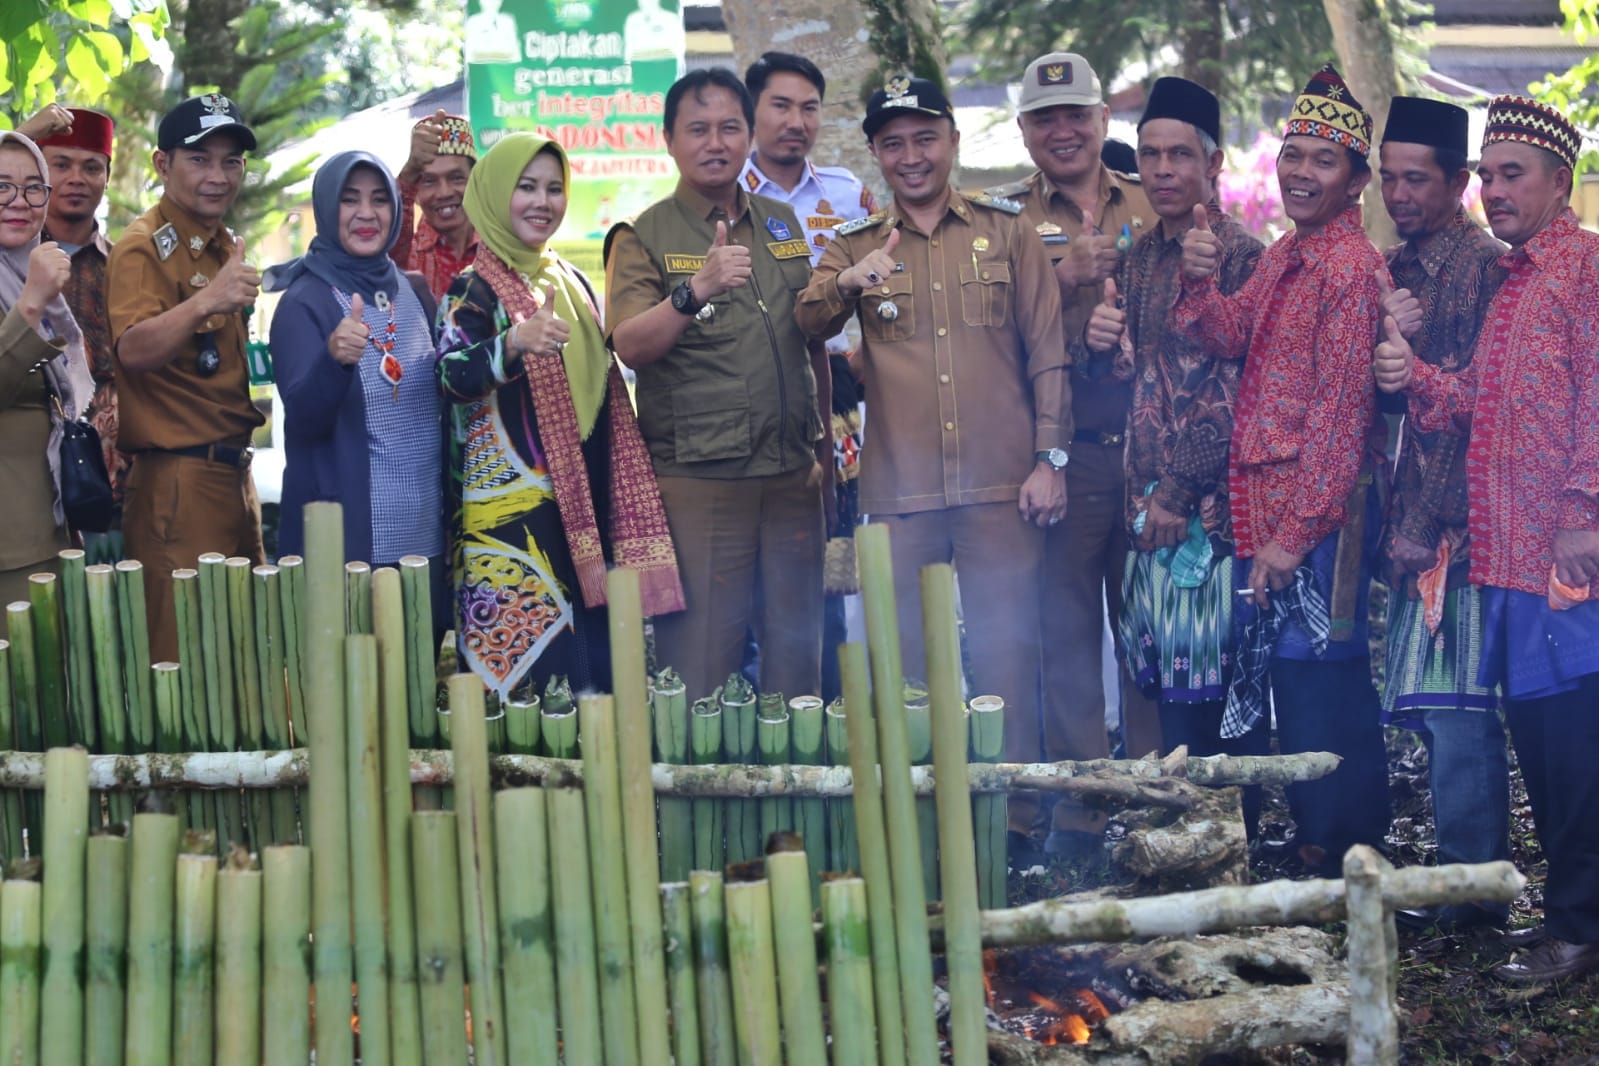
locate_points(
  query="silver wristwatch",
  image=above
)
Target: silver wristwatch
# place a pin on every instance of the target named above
(1057, 458)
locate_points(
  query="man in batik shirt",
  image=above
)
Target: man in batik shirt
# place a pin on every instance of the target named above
(433, 180)
(1298, 474)
(1531, 398)
(1444, 273)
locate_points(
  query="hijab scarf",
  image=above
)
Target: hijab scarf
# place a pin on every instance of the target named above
(326, 258)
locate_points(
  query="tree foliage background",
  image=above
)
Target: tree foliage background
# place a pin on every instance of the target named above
(1576, 92)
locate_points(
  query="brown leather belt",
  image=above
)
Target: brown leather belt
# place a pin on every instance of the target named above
(1094, 436)
(226, 454)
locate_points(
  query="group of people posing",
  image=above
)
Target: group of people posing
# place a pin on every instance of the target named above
(1088, 387)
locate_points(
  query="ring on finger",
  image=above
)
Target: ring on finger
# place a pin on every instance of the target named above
(873, 276)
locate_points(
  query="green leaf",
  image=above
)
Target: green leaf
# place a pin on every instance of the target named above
(83, 62)
(94, 12)
(109, 48)
(17, 15)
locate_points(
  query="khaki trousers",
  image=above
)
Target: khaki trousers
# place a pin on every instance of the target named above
(178, 508)
(742, 542)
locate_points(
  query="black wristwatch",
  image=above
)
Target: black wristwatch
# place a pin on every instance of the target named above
(1057, 458)
(684, 302)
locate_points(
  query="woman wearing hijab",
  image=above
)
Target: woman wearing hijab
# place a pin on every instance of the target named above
(352, 352)
(551, 478)
(44, 375)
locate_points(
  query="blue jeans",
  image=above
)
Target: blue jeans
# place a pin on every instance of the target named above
(1470, 787)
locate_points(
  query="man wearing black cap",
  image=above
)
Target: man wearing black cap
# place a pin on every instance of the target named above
(962, 356)
(178, 282)
(1444, 275)
(1176, 619)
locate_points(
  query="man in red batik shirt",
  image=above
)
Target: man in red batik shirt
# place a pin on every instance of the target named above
(434, 179)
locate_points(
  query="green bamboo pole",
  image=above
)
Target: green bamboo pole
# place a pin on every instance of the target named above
(872, 839)
(152, 892)
(678, 941)
(988, 808)
(267, 597)
(436, 879)
(773, 743)
(388, 623)
(333, 966)
(106, 628)
(742, 819)
(80, 649)
(292, 607)
(28, 730)
(705, 739)
(357, 598)
(238, 962)
(49, 649)
(66, 821)
(135, 653)
(286, 955)
(186, 605)
(167, 693)
(105, 949)
(794, 938)
(752, 965)
(558, 719)
(712, 981)
(919, 734)
(522, 725)
(575, 959)
(843, 852)
(899, 799)
(963, 936)
(475, 842)
(526, 935)
(193, 953)
(248, 646)
(602, 807)
(365, 782)
(10, 799)
(808, 743)
(421, 649)
(216, 647)
(19, 968)
(494, 734)
(630, 679)
(845, 929)
(669, 711)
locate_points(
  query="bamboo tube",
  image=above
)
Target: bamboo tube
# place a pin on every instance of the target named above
(441, 990)
(494, 725)
(602, 808)
(80, 652)
(216, 647)
(167, 694)
(475, 842)
(669, 711)
(678, 943)
(324, 713)
(357, 597)
(105, 949)
(49, 649)
(871, 836)
(291, 593)
(919, 732)
(106, 629)
(25, 721)
(772, 741)
(963, 937)
(249, 649)
(394, 730)
(365, 782)
(808, 744)
(899, 801)
(135, 653)
(238, 962)
(794, 938)
(742, 817)
(191, 657)
(19, 968)
(193, 947)
(522, 725)
(630, 679)
(421, 648)
(843, 852)
(558, 719)
(286, 955)
(712, 982)
(66, 820)
(570, 893)
(526, 936)
(152, 886)
(10, 800)
(752, 966)
(987, 723)
(267, 596)
(849, 972)
(705, 738)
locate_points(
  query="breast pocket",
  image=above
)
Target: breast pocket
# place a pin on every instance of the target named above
(887, 310)
(710, 422)
(985, 293)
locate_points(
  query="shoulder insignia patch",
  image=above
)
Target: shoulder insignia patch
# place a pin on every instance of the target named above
(858, 224)
(1010, 188)
(166, 241)
(999, 203)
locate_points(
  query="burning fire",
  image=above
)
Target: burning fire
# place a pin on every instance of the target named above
(1057, 1023)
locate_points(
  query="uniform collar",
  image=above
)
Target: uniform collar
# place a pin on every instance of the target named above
(1545, 245)
(96, 241)
(1110, 190)
(192, 236)
(697, 205)
(755, 179)
(428, 239)
(957, 206)
(1437, 248)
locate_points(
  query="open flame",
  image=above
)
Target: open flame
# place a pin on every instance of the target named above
(1053, 1022)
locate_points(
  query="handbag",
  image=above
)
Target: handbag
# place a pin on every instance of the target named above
(85, 486)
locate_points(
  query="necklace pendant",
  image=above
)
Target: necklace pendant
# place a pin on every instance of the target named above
(381, 299)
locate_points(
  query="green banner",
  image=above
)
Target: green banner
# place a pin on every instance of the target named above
(591, 75)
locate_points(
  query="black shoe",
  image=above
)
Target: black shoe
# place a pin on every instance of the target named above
(1022, 851)
(1521, 939)
(1074, 845)
(1447, 918)
(1551, 960)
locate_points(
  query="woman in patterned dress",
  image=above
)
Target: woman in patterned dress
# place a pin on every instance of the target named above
(550, 479)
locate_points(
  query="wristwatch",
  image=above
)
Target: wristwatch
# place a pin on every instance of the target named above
(1057, 458)
(684, 302)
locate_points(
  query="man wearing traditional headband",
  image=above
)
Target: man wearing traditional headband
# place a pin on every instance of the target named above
(1299, 471)
(433, 180)
(1443, 274)
(1531, 398)
(1177, 593)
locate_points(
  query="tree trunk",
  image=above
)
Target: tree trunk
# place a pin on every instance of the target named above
(1202, 41)
(1363, 39)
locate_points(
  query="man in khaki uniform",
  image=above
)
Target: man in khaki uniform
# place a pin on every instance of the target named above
(700, 303)
(178, 282)
(1088, 216)
(963, 359)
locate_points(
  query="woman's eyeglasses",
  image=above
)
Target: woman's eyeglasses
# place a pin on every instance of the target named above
(36, 194)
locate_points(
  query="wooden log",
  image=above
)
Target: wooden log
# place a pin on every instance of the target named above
(1373, 949)
(1158, 1031)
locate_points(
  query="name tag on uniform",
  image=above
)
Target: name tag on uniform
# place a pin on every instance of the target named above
(795, 249)
(1055, 238)
(684, 264)
(822, 221)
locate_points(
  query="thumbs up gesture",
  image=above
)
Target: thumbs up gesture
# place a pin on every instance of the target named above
(349, 337)
(543, 333)
(874, 266)
(235, 286)
(727, 267)
(1104, 330)
(1391, 363)
(1401, 305)
(1201, 248)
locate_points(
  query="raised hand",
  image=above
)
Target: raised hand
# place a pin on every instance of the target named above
(1393, 360)
(235, 286)
(542, 333)
(727, 267)
(49, 268)
(876, 265)
(1106, 325)
(1201, 249)
(1401, 305)
(48, 120)
(348, 340)
(426, 136)
(1089, 259)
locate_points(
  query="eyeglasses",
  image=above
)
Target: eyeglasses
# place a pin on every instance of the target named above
(34, 195)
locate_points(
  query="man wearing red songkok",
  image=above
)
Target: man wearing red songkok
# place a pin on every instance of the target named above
(433, 179)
